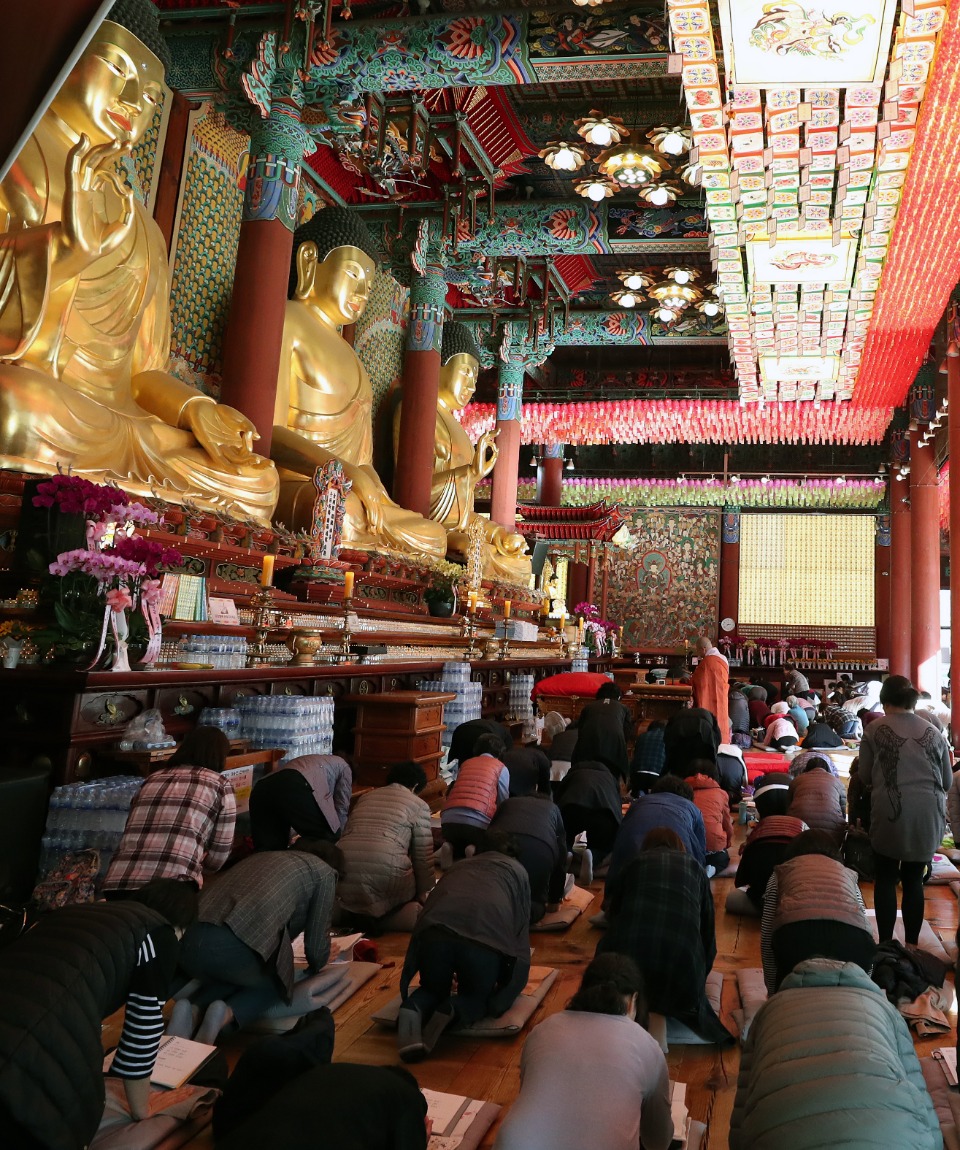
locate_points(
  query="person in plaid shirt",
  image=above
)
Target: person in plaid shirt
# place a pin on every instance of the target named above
(181, 823)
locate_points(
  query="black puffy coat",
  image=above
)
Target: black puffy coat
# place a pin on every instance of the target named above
(57, 984)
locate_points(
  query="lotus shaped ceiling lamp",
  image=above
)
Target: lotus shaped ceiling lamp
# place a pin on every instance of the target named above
(601, 130)
(596, 188)
(671, 141)
(682, 273)
(635, 281)
(666, 315)
(711, 306)
(626, 298)
(631, 167)
(563, 157)
(661, 194)
(674, 296)
(691, 173)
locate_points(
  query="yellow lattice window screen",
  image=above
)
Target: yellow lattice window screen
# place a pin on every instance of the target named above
(807, 570)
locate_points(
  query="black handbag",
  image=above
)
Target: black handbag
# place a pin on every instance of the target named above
(858, 853)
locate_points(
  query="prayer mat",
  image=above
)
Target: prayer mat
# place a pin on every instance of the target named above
(944, 872)
(514, 1020)
(573, 905)
(753, 994)
(176, 1117)
(928, 939)
(946, 1101)
(666, 1030)
(331, 987)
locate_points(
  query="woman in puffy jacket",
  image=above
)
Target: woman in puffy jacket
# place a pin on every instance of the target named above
(820, 799)
(387, 851)
(829, 1062)
(714, 804)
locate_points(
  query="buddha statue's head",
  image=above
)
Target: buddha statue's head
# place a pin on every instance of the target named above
(334, 262)
(459, 365)
(117, 84)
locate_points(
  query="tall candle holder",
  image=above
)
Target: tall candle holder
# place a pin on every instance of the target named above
(561, 639)
(504, 649)
(343, 655)
(265, 612)
(468, 630)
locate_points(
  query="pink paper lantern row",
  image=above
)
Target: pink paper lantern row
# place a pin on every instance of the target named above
(688, 421)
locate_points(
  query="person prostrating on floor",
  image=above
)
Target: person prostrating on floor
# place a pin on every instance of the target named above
(481, 785)
(534, 823)
(590, 803)
(474, 929)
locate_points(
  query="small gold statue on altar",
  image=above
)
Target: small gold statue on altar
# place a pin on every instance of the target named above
(84, 301)
(458, 466)
(324, 408)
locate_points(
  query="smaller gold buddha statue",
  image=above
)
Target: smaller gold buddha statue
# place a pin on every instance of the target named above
(324, 408)
(458, 466)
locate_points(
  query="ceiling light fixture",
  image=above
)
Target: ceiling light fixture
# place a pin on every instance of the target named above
(682, 274)
(671, 141)
(665, 315)
(601, 130)
(674, 295)
(630, 166)
(625, 298)
(659, 195)
(570, 465)
(596, 188)
(563, 157)
(634, 280)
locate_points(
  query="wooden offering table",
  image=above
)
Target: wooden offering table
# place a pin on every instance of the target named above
(659, 700)
(395, 727)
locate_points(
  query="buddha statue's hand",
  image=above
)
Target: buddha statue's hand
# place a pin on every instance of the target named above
(225, 434)
(87, 230)
(485, 455)
(370, 493)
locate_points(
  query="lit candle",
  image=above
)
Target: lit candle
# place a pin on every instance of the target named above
(620, 630)
(580, 625)
(266, 573)
(507, 606)
(348, 584)
(563, 619)
(545, 606)
(472, 603)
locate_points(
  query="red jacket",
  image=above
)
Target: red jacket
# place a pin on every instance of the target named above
(476, 785)
(714, 804)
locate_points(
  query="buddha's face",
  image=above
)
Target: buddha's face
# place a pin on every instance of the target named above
(458, 379)
(114, 90)
(338, 285)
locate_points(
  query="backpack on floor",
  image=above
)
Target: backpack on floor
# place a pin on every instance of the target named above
(72, 880)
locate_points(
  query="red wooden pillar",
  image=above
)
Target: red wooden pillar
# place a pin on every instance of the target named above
(881, 587)
(924, 566)
(251, 355)
(503, 497)
(413, 476)
(576, 585)
(729, 607)
(170, 172)
(953, 396)
(550, 476)
(900, 579)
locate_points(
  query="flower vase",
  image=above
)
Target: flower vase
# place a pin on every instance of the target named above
(121, 658)
(11, 655)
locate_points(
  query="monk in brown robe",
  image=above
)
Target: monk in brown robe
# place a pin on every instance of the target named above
(711, 684)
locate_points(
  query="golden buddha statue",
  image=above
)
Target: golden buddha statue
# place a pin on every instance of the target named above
(458, 466)
(324, 405)
(84, 301)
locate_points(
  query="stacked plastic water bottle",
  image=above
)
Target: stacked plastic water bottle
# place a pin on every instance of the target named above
(224, 652)
(580, 664)
(455, 679)
(521, 688)
(83, 815)
(297, 724)
(228, 720)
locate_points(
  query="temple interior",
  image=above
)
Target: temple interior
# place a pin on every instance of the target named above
(515, 436)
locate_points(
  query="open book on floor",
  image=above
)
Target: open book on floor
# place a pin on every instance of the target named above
(178, 1059)
(458, 1122)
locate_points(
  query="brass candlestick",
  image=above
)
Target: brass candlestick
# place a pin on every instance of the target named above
(504, 650)
(468, 629)
(344, 653)
(265, 611)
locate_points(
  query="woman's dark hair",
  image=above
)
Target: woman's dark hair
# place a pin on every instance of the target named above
(812, 842)
(609, 691)
(817, 763)
(176, 900)
(699, 767)
(671, 785)
(662, 839)
(409, 774)
(206, 747)
(489, 744)
(898, 691)
(606, 982)
(323, 850)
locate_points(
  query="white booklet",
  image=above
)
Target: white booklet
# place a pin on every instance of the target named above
(947, 1057)
(178, 1059)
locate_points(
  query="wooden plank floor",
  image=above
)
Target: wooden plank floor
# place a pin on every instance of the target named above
(490, 1069)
